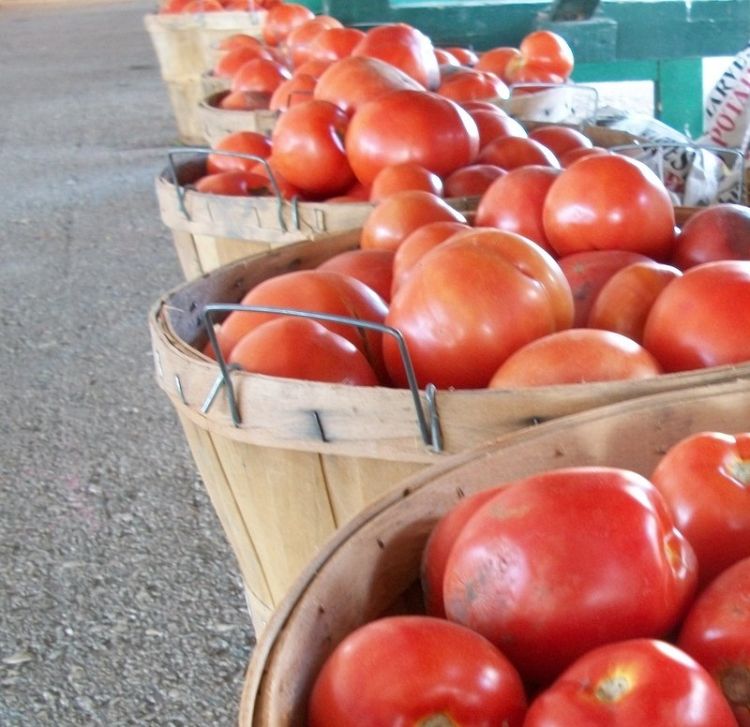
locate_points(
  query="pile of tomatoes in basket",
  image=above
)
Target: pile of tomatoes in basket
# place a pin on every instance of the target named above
(576, 596)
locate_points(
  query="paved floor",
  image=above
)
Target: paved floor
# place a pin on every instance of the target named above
(120, 603)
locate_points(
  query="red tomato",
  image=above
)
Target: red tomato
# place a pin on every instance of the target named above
(497, 59)
(587, 272)
(298, 40)
(560, 139)
(704, 479)
(242, 142)
(608, 201)
(260, 74)
(431, 130)
(495, 124)
(471, 302)
(295, 90)
(400, 177)
(699, 319)
(308, 148)
(567, 560)
(416, 670)
(202, 6)
(573, 155)
(399, 214)
(300, 348)
(373, 267)
(575, 356)
(238, 40)
(717, 232)
(547, 51)
(514, 202)
(316, 291)
(472, 180)
(314, 67)
(276, 181)
(282, 19)
(510, 152)
(634, 682)
(444, 58)
(716, 633)
(417, 243)
(405, 47)
(233, 60)
(335, 43)
(624, 301)
(245, 100)
(236, 183)
(438, 548)
(465, 56)
(469, 84)
(352, 81)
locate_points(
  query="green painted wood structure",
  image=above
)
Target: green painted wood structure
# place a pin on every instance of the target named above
(663, 41)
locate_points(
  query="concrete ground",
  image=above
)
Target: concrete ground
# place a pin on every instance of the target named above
(120, 602)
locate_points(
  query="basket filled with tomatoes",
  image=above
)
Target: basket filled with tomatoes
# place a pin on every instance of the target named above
(421, 335)
(590, 570)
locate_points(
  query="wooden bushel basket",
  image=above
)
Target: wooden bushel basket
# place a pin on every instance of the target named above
(295, 460)
(183, 43)
(217, 122)
(212, 230)
(371, 566)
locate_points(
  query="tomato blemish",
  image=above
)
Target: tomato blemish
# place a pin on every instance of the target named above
(437, 720)
(735, 682)
(612, 689)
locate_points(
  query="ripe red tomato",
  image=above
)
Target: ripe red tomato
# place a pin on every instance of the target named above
(717, 232)
(308, 148)
(334, 43)
(431, 130)
(560, 139)
(633, 682)
(716, 633)
(547, 51)
(373, 267)
(624, 301)
(260, 74)
(465, 56)
(567, 560)
(295, 90)
(472, 180)
(514, 202)
(497, 59)
(704, 479)
(416, 670)
(699, 318)
(469, 84)
(510, 152)
(609, 201)
(587, 272)
(231, 61)
(282, 19)
(238, 40)
(444, 58)
(245, 100)
(276, 181)
(438, 548)
(419, 242)
(298, 40)
(575, 356)
(404, 46)
(317, 291)
(493, 124)
(314, 67)
(242, 142)
(354, 80)
(400, 177)
(235, 183)
(300, 348)
(573, 155)
(470, 302)
(399, 214)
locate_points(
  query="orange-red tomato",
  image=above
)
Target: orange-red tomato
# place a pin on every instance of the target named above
(297, 89)
(573, 155)
(497, 59)
(470, 302)
(701, 317)
(373, 267)
(299, 38)
(334, 43)
(510, 152)
(548, 51)
(431, 130)
(560, 139)
(472, 180)
(399, 214)
(514, 202)
(495, 124)
(575, 356)
(609, 201)
(469, 84)
(237, 183)
(301, 348)
(400, 177)
(245, 100)
(444, 58)
(282, 19)
(231, 61)
(242, 142)
(624, 301)
(260, 74)
(238, 40)
(405, 47)
(465, 56)
(308, 148)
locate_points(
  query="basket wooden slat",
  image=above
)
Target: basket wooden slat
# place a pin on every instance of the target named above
(371, 566)
(329, 446)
